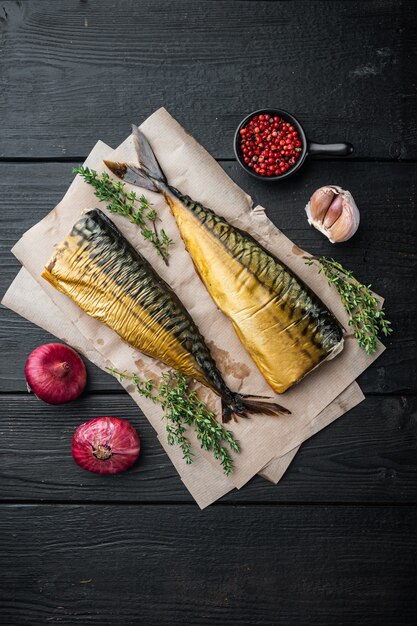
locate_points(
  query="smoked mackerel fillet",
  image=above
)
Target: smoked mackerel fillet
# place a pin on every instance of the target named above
(112, 282)
(282, 323)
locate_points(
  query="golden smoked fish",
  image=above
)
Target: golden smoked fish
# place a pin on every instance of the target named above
(108, 279)
(283, 325)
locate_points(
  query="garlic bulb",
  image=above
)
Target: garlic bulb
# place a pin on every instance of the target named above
(333, 211)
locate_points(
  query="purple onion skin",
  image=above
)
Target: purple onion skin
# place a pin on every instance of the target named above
(55, 373)
(106, 445)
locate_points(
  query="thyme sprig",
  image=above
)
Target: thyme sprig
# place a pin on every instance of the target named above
(137, 209)
(365, 314)
(182, 409)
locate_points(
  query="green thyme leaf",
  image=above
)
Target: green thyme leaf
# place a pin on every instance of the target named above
(138, 210)
(182, 409)
(366, 317)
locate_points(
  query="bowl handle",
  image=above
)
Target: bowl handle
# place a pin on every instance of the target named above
(331, 149)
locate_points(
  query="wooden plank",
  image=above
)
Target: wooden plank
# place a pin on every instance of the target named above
(382, 252)
(240, 566)
(73, 72)
(366, 456)
(409, 85)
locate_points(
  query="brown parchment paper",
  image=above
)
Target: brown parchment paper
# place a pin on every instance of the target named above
(349, 398)
(26, 297)
(189, 167)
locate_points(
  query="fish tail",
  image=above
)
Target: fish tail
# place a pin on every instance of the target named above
(148, 174)
(245, 406)
(146, 156)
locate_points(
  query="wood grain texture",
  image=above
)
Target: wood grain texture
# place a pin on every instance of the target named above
(368, 455)
(74, 71)
(408, 83)
(383, 252)
(240, 566)
(335, 543)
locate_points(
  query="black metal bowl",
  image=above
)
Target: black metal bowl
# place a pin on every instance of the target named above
(308, 147)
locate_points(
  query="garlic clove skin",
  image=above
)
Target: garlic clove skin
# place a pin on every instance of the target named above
(333, 211)
(321, 200)
(347, 224)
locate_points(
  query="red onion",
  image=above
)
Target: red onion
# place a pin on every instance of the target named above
(106, 445)
(55, 373)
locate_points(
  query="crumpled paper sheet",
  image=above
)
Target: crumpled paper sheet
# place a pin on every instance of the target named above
(26, 298)
(190, 168)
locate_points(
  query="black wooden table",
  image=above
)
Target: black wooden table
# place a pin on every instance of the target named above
(336, 541)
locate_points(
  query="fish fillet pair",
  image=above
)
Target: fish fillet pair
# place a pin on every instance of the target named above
(282, 324)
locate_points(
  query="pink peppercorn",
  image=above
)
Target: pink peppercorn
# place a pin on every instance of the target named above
(270, 146)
